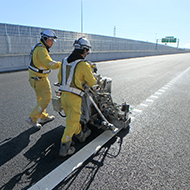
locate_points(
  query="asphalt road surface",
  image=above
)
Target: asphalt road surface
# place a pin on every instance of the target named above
(153, 154)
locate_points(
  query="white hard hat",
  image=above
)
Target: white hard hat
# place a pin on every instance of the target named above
(82, 43)
(49, 34)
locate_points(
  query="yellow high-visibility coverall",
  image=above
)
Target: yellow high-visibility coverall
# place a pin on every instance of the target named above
(71, 103)
(42, 88)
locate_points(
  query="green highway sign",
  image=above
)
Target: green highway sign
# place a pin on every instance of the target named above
(169, 40)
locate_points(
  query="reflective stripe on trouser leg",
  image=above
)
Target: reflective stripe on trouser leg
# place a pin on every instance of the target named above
(42, 89)
(72, 106)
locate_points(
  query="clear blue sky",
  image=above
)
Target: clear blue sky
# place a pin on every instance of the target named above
(145, 20)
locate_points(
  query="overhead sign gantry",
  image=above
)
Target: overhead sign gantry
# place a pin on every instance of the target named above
(169, 39)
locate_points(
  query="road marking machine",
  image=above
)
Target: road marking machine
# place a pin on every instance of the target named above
(98, 108)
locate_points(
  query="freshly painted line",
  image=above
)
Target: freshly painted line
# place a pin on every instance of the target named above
(62, 171)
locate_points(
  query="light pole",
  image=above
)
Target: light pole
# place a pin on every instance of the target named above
(177, 43)
(114, 31)
(81, 18)
(156, 41)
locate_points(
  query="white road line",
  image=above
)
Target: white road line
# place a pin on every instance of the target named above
(62, 171)
(145, 105)
(161, 90)
(149, 100)
(137, 110)
(176, 78)
(153, 96)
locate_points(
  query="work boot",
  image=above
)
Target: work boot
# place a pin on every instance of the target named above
(66, 149)
(34, 124)
(46, 119)
(83, 135)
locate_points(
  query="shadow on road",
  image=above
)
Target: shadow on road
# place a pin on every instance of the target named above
(15, 145)
(43, 158)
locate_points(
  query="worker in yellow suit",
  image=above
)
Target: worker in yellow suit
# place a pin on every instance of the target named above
(73, 74)
(39, 68)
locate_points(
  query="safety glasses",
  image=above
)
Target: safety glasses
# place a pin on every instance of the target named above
(52, 39)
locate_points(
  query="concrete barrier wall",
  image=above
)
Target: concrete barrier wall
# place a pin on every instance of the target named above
(20, 62)
(17, 42)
